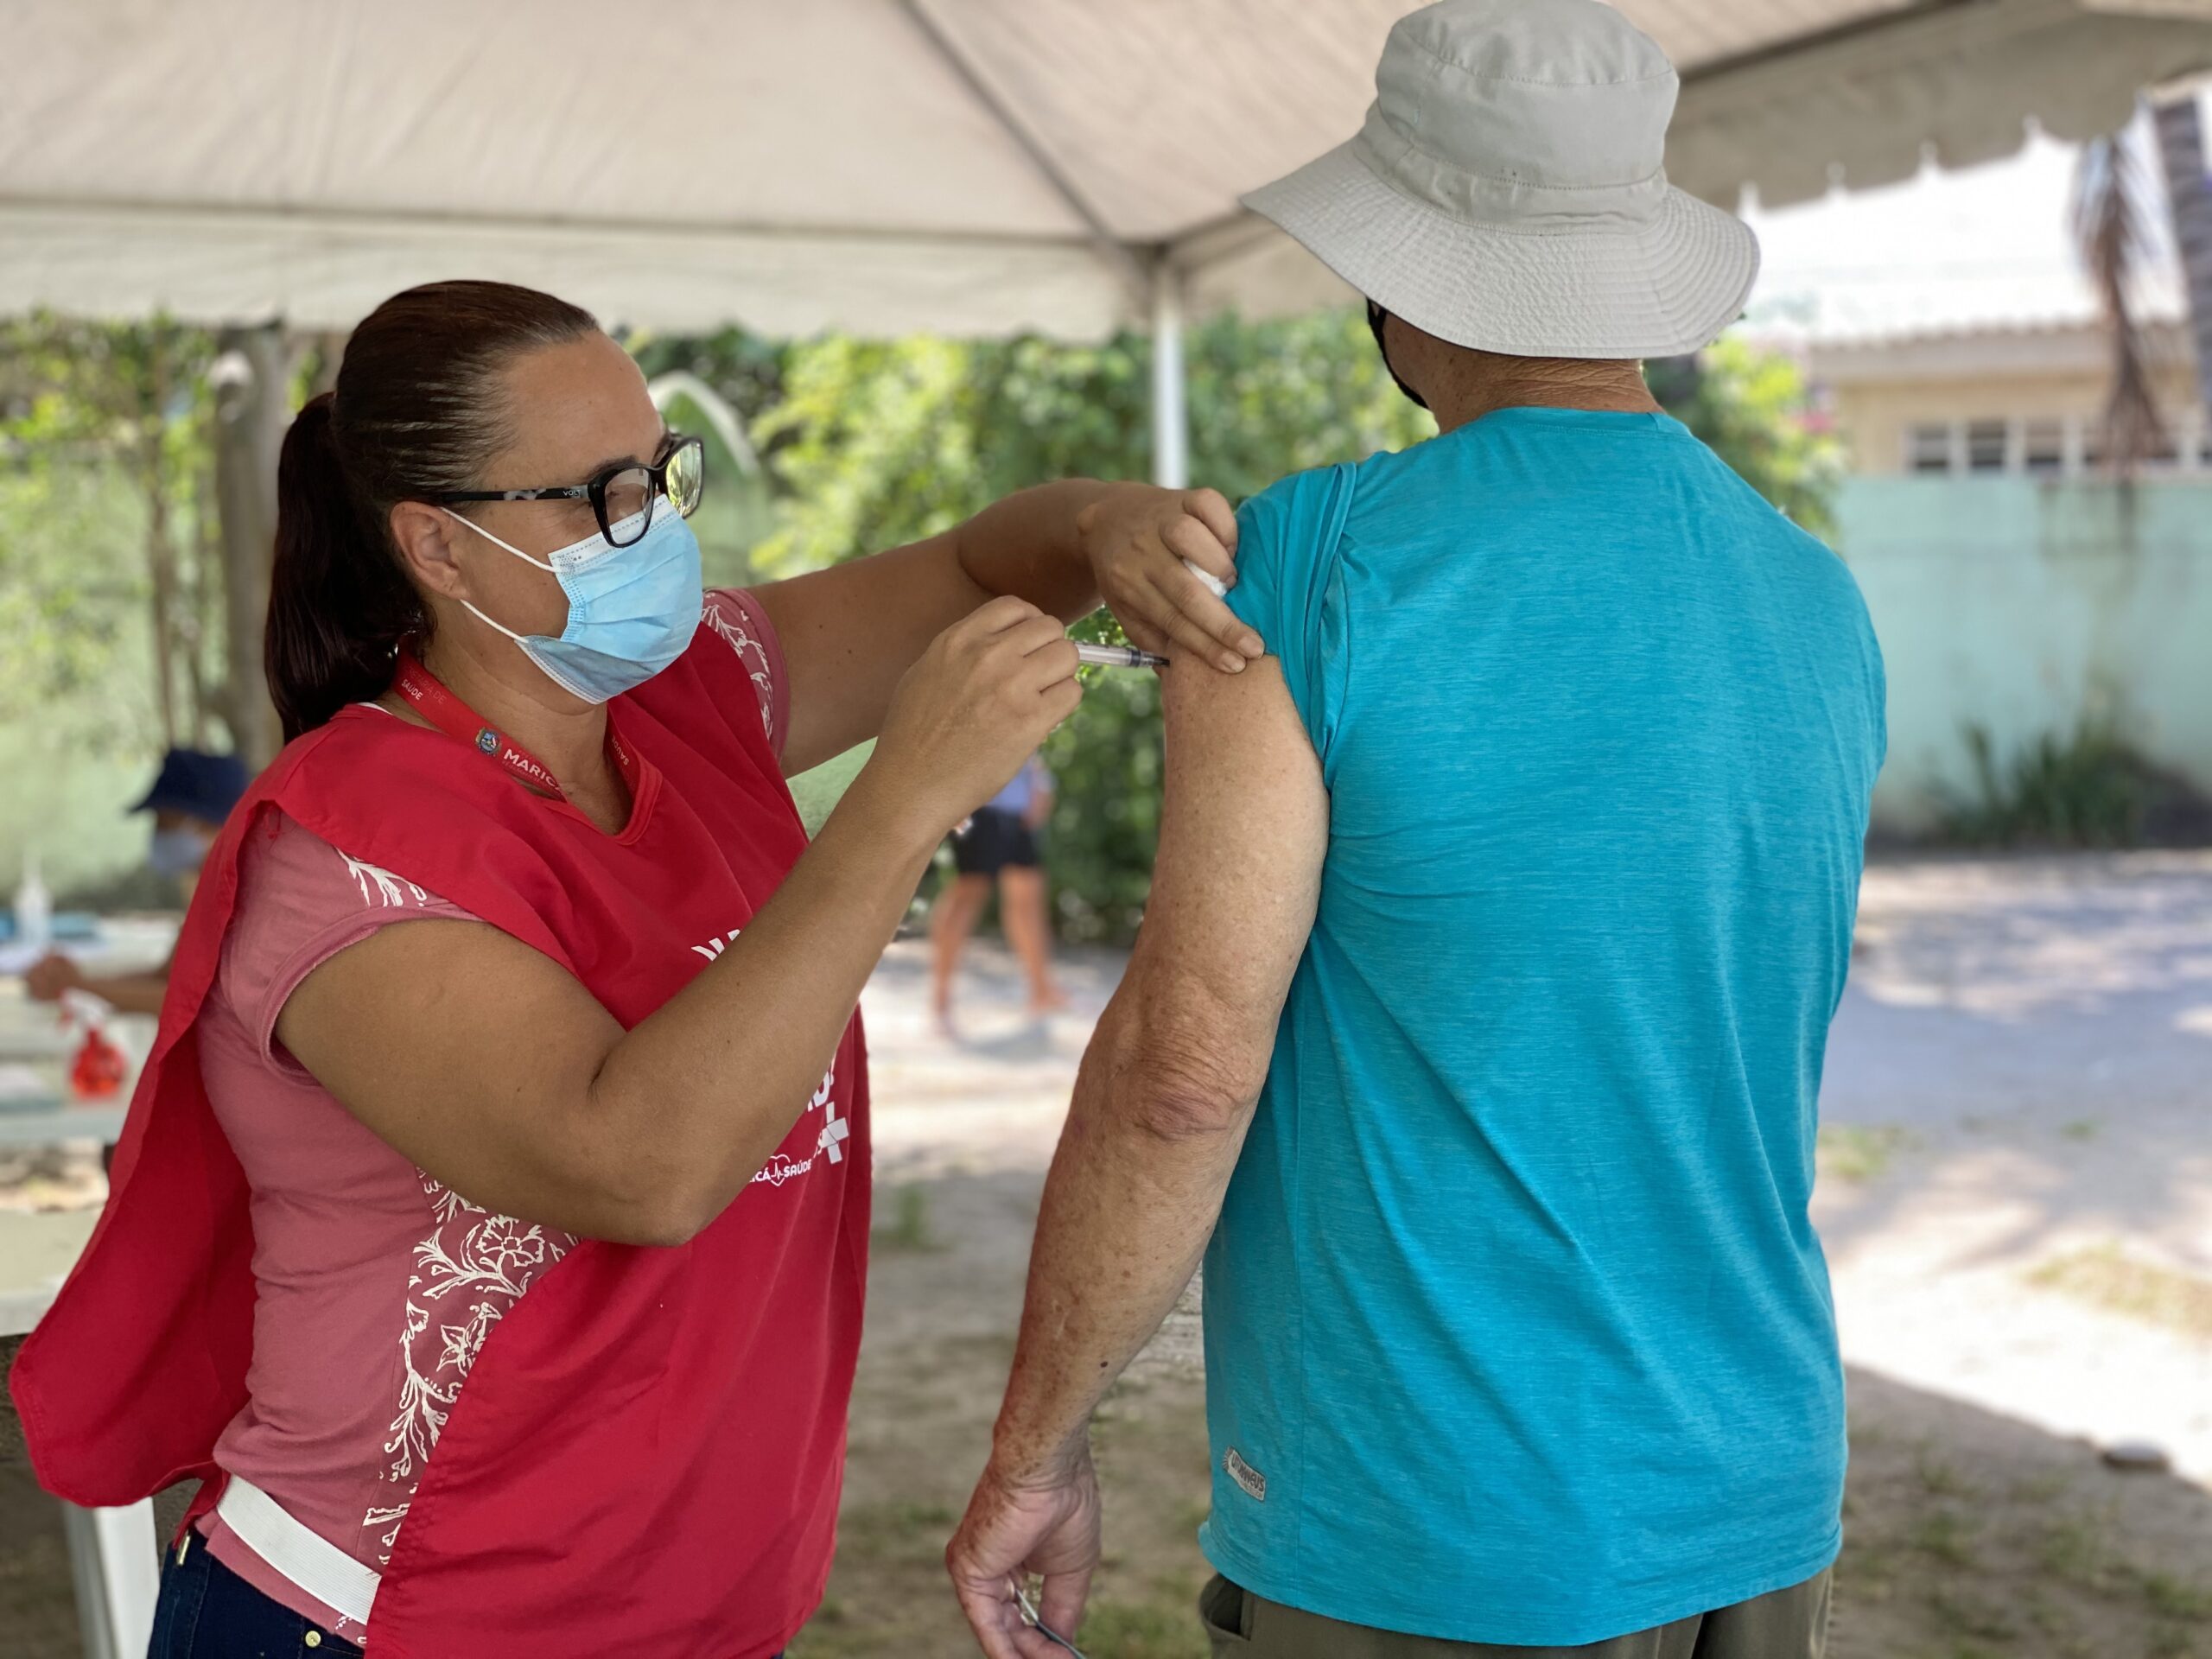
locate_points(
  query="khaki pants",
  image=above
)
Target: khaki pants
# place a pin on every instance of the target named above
(1790, 1624)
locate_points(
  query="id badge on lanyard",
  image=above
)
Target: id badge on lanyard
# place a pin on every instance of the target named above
(429, 696)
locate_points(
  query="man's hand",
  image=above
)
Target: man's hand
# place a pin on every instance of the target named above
(1013, 1529)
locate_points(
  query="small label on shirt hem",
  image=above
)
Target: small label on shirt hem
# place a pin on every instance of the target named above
(1254, 1483)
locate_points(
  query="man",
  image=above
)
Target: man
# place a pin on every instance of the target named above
(190, 799)
(1545, 815)
(998, 844)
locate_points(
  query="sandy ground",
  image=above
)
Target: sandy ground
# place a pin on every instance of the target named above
(2022, 1066)
(2017, 1194)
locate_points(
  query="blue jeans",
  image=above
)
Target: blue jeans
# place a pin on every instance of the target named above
(207, 1611)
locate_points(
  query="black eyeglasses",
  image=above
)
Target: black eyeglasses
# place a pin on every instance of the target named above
(621, 498)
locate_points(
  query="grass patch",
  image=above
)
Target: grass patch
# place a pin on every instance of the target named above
(1937, 1478)
(2172, 1598)
(2073, 1549)
(2081, 1129)
(1947, 1535)
(1858, 1152)
(2086, 788)
(1970, 1614)
(898, 1531)
(2103, 1277)
(907, 1233)
(1164, 1625)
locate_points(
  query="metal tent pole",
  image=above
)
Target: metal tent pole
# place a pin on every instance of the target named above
(1170, 416)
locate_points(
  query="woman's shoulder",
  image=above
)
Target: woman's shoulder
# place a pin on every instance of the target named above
(301, 900)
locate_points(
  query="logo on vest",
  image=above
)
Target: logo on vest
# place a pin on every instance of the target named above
(488, 740)
(779, 1169)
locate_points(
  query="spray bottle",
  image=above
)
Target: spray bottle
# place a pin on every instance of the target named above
(99, 1067)
(33, 908)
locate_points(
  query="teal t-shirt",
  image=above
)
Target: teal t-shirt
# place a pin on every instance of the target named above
(1517, 1328)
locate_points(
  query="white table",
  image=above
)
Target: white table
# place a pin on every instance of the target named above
(114, 1554)
(43, 1125)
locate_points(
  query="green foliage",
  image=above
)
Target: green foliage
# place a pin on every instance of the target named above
(1750, 407)
(69, 585)
(879, 442)
(2089, 788)
(746, 374)
(1106, 764)
(106, 525)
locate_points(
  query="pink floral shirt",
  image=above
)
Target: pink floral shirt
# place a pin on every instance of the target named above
(376, 1286)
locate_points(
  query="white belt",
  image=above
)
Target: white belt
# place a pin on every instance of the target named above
(302, 1554)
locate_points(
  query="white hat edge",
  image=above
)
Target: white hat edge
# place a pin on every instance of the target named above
(1717, 304)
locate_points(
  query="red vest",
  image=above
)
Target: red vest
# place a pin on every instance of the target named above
(646, 1456)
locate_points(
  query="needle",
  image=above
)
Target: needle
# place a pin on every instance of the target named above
(1029, 1617)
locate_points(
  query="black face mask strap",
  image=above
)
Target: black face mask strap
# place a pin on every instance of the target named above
(1376, 318)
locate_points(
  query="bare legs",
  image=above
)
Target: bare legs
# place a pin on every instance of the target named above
(1021, 911)
(950, 922)
(1021, 908)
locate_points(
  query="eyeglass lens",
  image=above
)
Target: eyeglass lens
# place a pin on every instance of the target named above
(629, 493)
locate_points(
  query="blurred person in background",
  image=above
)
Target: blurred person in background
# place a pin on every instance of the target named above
(190, 800)
(489, 1230)
(998, 844)
(1473, 1036)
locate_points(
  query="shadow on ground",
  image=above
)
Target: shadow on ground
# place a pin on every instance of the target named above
(2054, 1012)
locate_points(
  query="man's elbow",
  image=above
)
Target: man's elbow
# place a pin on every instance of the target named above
(1184, 1092)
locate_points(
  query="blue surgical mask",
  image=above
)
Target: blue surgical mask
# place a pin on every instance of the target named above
(176, 852)
(631, 610)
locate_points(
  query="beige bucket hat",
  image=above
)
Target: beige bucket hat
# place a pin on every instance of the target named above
(1507, 190)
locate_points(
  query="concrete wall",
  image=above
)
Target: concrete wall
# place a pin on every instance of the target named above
(2020, 605)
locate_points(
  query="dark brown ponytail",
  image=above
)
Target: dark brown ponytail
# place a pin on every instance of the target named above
(418, 410)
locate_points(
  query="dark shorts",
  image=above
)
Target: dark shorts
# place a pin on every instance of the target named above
(1790, 1623)
(992, 841)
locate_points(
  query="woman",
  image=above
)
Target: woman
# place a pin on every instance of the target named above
(998, 845)
(589, 1133)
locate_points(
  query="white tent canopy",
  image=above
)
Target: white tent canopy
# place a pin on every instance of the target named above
(973, 165)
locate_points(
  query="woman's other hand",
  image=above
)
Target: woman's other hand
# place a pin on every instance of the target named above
(1138, 539)
(986, 693)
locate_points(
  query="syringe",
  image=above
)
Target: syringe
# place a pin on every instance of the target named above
(1116, 656)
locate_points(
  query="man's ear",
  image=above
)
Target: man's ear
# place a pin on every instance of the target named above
(425, 538)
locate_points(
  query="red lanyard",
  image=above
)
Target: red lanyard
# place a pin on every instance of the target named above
(430, 699)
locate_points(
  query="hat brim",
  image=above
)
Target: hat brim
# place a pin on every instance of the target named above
(1660, 289)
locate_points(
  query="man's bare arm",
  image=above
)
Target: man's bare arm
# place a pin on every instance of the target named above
(1165, 1095)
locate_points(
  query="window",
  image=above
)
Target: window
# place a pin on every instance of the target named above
(2043, 447)
(1928, 449)
(1986, 446)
